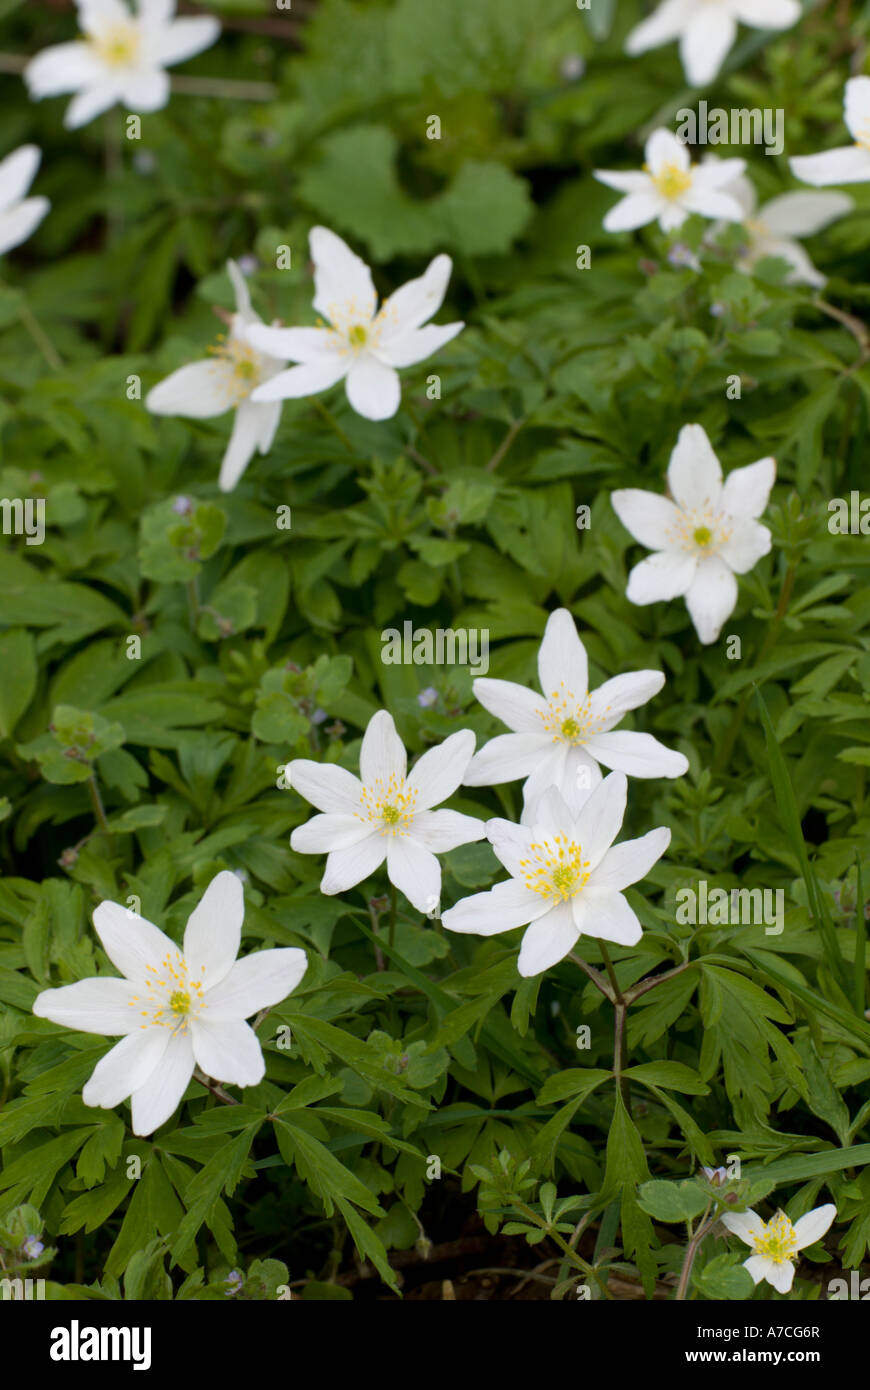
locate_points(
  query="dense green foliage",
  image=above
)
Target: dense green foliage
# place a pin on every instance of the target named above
(461, 511)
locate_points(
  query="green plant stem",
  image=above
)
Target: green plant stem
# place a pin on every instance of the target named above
(97, 803)
(216, 1090)
(595, 976)
(653, 980)
(516, 426)
(558, 1239)
(327, 416)
(728, 742)
(40, 337)
(620, 1010)
(391, 935)
(692, 1249)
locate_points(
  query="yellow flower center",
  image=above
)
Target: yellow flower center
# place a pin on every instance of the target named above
(570, 720)
(245, 363)
(118, 46)
(358, 335)
(699, 530)
(703, 535)
(171, 996)
(388, 805)
(671, 181)
(556, 869)
(776, 1240)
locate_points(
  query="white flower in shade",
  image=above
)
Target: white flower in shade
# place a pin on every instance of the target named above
(363, 345)
(386, 813)
(707, 29)
(772, 229)
(19, 215)
(559, 738)
(226, 381)
(670, 187)
(847, 163)
(775, 1243)
(566, 880)
(175, 1009)
(121, 57)
(701, 539)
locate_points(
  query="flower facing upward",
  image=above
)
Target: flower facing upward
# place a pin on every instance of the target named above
(363, 346)
(386, 813)
(566, 880)
(175, 1009)
(775, 1243)
(559, 738)
(670, 187)
(772, 229)
(707, 29)
(225, 381)
(121, 57)
(702, 538)
(847, 163)
(19, 215)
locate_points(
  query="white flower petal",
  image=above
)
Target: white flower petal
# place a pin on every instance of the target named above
(803, 214)
(415, 302)
(600, 818)
(64, 67)
(91, 102)
(562, 661)
(649, 517)
(747, 490)
(197, 391)
(705, 43)
(548, 773)
(307, 345)
(242, 445)
(617, 696)
(637, 210)
(342, 282)
(549, 815)
(857, 105)
(257, 982)
(307, 380)
(814, 1224)
(347, 867)
(630, 861)
(416, 345)
(157, 1098)
(759, 1267)
(505, 758)
(665, 575)
(847, 164)
(183, 39)
(637, 755)
(694, 472)
(439, 771)
(440, 831)
(608, 917)
(510, 843)
(781, 1276)
(326, 785)
(767, 14)
(507, 905)
(228, 1050)
(664, 149)
(127, 1067)
(745, 1224)
(521, 709)
(17, 172)
(146, 90)
(547, 941)
(99, 1005)
(382, 754)
(322, 834)
(415, 871)
(580, 776)
(131, 942)
(19, 222)
(624, 181)
(373, 389)
(214, 929)
(746, 546)
(711, 598)
(663, 25)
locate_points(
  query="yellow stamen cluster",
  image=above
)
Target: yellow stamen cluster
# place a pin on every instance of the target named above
(245, 362)
(570, 720)
(172, 996)
(776, 1240)
(118, 45)
(556, 869)
(672, 181)
(389, 805)
(703, 531)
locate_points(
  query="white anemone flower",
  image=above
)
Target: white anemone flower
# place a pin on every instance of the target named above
(121, 57)
(566, 880)
(847, 163)
(226, 381)
(704, 537)
(670, 187)
(559, 738)
(386, 813)
(773, 229)
(707, 29)
(775, 1243)
(19, 215)
(364, 345)
(174, 1009)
